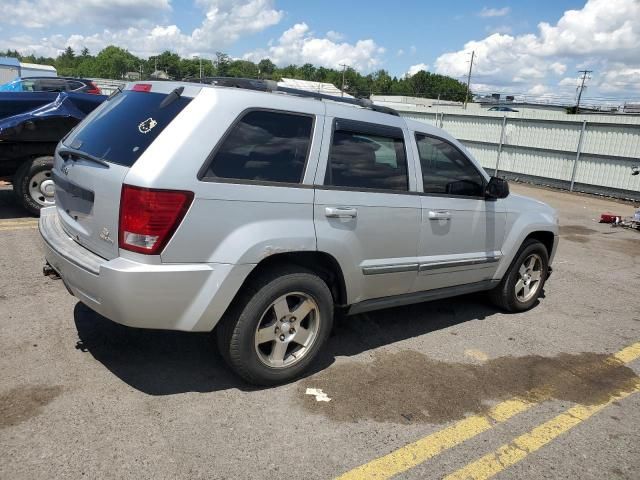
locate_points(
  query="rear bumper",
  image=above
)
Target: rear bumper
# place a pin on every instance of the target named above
(188, 297)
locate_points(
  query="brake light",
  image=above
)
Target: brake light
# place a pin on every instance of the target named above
(94, 89)
(141, 87)
(149, 217)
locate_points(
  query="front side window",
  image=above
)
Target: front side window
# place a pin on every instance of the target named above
(365, 160)
(445, 170)
(264, 146)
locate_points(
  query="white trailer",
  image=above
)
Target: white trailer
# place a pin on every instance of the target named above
(9, 69)
(37, 70)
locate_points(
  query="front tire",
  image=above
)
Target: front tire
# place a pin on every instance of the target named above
(33, 184)
(522, 285)
(276, 327)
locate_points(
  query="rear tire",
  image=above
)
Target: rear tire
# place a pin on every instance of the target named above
(275, 328)
(523, 283)
(33, 184)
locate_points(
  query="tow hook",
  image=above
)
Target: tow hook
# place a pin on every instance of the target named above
(48, 271)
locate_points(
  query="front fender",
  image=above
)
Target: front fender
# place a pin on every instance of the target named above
(519, 227)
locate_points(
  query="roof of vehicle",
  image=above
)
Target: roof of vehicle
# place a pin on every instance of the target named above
(44, 77)
(263, 87)
(37, 66)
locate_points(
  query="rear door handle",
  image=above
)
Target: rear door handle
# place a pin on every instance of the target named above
(439, 215)
(340, 212)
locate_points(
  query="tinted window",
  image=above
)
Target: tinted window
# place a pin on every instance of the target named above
(73, 85)
(363, 160)
(122, 128)
(264, 146)
(50, 85)
(445, 170)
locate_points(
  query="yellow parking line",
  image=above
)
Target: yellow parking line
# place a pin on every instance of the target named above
(26, 221)
(417, 452)
(628, 354)
(428, 447)
(510, 454)
(16, 227)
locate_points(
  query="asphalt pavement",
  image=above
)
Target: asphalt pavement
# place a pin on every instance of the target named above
(453, 388)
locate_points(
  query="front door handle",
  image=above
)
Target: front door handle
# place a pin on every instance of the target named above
(439, 215)
(340, 212)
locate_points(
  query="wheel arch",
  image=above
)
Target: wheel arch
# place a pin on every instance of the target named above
(321, 263)
(546, 234)
(545, 237)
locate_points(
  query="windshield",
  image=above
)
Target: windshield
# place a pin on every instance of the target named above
(122, 128)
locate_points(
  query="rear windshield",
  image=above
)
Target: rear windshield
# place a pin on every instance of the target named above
(122, 128)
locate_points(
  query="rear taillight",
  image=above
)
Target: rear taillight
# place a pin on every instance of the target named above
(94, 89)
(149, 217)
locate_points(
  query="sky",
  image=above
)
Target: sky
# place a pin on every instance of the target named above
(532, 48)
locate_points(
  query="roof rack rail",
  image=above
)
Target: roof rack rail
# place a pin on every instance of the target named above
(272, 86)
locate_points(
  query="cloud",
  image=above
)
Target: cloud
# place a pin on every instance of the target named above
(400, 53)
(604, 35)
(298, 45)
(413, 69)
(224, 22)
(494, 12)
(335, 36)
(112, 13)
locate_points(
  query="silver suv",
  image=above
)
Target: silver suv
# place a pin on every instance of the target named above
(261, 213)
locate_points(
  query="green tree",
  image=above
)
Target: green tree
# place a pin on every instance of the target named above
(114, 62)
(243, 69)
(222, 64)
(266, 67)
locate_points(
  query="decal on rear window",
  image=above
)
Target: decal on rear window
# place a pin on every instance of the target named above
(147, 125)
(114, 133)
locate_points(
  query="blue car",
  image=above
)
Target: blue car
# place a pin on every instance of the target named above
(31, 125)
(51, 84)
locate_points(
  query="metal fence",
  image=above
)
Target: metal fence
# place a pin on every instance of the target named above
(595, 156)
(109, 86)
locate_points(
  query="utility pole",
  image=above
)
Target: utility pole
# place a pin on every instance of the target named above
(344, 69)
(200, 69)
(581, 87)
(466, 98)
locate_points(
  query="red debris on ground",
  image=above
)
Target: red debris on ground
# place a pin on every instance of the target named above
(609, 218)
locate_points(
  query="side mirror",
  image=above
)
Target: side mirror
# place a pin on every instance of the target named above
(497, 188)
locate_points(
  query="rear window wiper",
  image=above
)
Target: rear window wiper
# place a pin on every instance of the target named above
(172, 97)
(80, 154)
(114, 93)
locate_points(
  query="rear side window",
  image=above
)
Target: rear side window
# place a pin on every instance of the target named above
(264, 146)
(73, 85)
(445, 170)
(124, 126)
(367, 159)
(51, 85)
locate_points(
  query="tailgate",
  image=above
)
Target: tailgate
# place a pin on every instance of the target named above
(92, 162)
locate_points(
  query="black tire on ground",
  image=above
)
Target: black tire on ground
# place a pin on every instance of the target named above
(237, 329)
(504, 295)
(23, 177)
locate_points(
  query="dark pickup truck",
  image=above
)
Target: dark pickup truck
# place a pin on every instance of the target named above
(31, 125)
